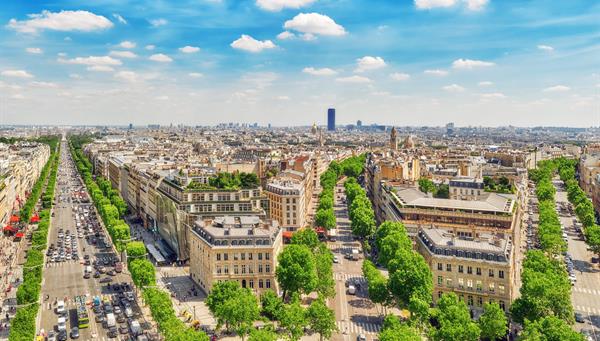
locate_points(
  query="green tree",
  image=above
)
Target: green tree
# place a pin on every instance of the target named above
(321, 319)
(549, 328)
(492, 322)
(325, 218)
(442, 191)
(296, 271)
(306, 236)
(391, 243)
(263, 334)
(293, 319)
(386, 228)
(239, 311)
(454, 321)
(592, 238)
(426, 186)
(363, 221)
(220, 293)
(409, 275)
(135, 250)
(271, 305)
(142, 272)
(324, 267)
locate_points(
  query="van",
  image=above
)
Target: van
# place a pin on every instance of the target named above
(351, 290)
(62, 324)
(60, 307)
(88, 269)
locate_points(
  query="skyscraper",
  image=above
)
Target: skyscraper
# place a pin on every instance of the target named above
(331, 119)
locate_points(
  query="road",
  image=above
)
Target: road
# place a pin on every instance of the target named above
(586, 291)
(64, 280)
(355, 314)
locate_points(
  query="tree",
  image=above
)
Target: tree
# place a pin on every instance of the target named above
(220, 293)
(492, 322)
(142, 272)
(271, 305)
(306, 236)
(324, 267)
(325, 218)
(549, 328)
(443, 191)
(400, 333)
(263, 334)
(391, 243)
(321, 319)
(293, 319)
(239, 311)
(454, 321)
(592, 238)
(296, 270)
(419, 311)
(386, 228)
(363, 221)
(135, 250)
(409, 275)
(377, 284)
(426, 186)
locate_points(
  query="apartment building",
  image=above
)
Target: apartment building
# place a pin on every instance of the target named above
(589, 168)
(477, 269)
(287, 202)
(466, 188)
(238, 248)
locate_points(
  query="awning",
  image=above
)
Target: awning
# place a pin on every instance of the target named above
(35, 219)
(19, 235)
(10, 228)
(320, 230)
(14, 219)
(288, 234)
(155, 253)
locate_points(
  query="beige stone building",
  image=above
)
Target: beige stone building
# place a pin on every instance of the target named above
(478, 269)
(239, 248)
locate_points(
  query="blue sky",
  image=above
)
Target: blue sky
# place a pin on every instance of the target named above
(422, 62)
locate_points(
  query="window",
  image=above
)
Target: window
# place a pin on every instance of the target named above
(469, 270)
(439, 294)
(218, 256)
(243, 256)
(491, 272)
(501, 288)
(461, 269)
(461, 283)
(267, 268)
(251, 283)
(440, 280)
(478, 270)
(440, 266)
(267, 256)
(502, 305)
(491, 287)
(243, 269)
(449, 267)
(225, 269)
(479, 301)
(260, 283)
(479, 286)
(449, 282)
(219, 270)
(268, 283)
(250, 269)
(249, 255)
(235, 256)
(469, 300)
(235, 269)
(259, 256)
(470, 284)
(225, 256)
(259, 268)
(501, 273)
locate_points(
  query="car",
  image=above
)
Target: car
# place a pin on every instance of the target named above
(74, 333)
(112, 273)
(123, 329)
(97, 274)
(579, 318)
(336, 259)
(117, 310)
(351, 290)
(62, 335)
(361, 337)
(86, 275)
(121, 318)
(51, 336)
(112, 332)
(99, 317)
(128, 312)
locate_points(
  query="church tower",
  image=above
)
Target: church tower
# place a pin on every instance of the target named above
(394, 139)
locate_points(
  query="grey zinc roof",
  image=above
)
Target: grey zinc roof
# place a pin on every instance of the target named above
(492, 202)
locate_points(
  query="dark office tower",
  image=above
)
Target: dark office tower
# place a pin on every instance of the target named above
(359, 124)
(130, 126)
(331, 119)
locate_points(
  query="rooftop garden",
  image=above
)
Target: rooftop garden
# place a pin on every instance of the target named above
(503, 185)
(227, 181)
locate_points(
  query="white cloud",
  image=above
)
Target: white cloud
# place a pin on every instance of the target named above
(308, 37)
(493, 95)
(436, 72)
(557, 88)
(429, 4)
(472, 5)
(128, 76)
(470, 64)
(61, 54)
(34, 50)
(158, 22)
(546, 48)
(278, 5)
(161, 58)
(127, 44)
(476, 5)
(247, 43)
(195, 74)
(319, 72)
(189, 49)
(285, 35)
(162, 98)
(314, 23)
(399, 76)
(150, 47)
(43, 84)
(485, 83)
(283, 98)
(354, 79)
(92, 61)
(123, 54)
(61, 21)
(100, 68)
(369, 63)
(119, 18)
(16, 73)
(453, 88)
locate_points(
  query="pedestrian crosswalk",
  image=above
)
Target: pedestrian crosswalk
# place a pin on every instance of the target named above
(355, 278)
(351, 327)
(587, 291)
(589, 310)
(57, 264)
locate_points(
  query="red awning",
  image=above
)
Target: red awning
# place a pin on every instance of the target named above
(35, 219)
(320, 230)
(19, 235)
(10, 228)
(287, 234)
(14, 219)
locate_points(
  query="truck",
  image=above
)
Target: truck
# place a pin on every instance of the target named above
(83, 318)
(355, 255)
(110, 320)
(332, 235)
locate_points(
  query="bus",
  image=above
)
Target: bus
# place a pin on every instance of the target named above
(83, 318)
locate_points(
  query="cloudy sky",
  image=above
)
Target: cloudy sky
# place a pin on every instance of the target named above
(401, 62)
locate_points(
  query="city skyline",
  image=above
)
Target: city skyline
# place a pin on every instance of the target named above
(472, 62)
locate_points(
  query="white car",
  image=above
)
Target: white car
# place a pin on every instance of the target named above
(336, 259)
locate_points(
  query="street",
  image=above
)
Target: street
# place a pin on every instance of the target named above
(64, 276)
(355, 314)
